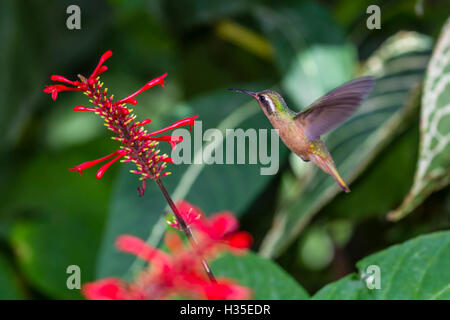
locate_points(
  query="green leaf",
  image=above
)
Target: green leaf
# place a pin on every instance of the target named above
(416, 269)
(46, 249)
(213, 188)
(198, 12)
(399, 66)
(267, 280)
(433, 167)
(8, 281)
(56, 221)
(295, 26)
(317, 70)
(396, 161)
(311, 51)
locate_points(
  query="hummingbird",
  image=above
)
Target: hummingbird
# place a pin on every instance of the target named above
(301, 131)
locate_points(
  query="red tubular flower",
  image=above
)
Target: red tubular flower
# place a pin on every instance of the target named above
(56, 88)
(143, 123)
(100, 68)
(172, 140)
(105, 167)
(56, 77)
(81, 108)
(139, 146)
(91, 163)
(178, 273)
(148, 85)
(188, 121)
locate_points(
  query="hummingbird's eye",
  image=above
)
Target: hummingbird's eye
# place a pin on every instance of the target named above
(262, 98)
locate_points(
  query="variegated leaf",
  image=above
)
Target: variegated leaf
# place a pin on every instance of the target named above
(433, 167)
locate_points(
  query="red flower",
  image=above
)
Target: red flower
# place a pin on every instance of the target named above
(219, 228)
(110, 289)
(188, 212)
(138, 146)
(223, 227)
(225, 289)
(144, 251)
(175, 274)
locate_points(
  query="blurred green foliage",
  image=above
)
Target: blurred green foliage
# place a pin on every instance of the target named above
(51, 218)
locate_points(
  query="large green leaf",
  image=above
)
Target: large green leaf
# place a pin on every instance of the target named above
(311, 51)
(45, 250)
(399, 66)
(56, 221)
(416, 269)
(213, 187)
(267, 280)
(433, 167)
(197, 12)
(8, 281)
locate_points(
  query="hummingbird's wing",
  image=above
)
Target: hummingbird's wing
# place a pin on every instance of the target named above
(335, 107)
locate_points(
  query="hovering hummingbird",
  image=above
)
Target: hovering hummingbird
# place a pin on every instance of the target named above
(301, 131)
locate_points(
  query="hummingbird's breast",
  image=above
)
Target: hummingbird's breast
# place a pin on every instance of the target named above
(293, 136)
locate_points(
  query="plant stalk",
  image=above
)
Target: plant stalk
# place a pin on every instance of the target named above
(184, 227)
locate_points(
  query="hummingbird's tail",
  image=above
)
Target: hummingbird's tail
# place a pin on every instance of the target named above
(328, 166)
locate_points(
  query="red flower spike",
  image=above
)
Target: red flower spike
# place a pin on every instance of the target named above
(81, 108)
(106, 166)
(119, 120)
(99, 68)
(91, 163)
(141, 249)
(148, 85)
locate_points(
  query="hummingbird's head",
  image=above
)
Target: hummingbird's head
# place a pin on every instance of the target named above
(271, 102)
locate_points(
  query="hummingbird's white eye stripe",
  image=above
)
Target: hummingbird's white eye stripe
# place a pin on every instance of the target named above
(271, 105)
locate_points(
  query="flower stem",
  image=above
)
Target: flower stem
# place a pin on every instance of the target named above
(184, 227)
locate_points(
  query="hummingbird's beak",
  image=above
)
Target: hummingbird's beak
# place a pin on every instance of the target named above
(253, 94)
